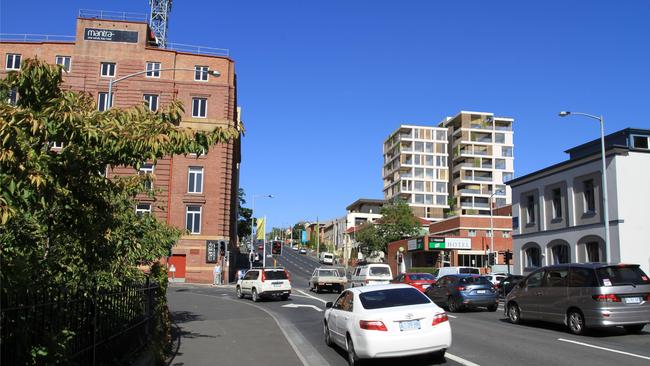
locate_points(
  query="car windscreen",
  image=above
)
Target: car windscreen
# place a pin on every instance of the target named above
(275, 275)
(622, 276)
(392, 297)
(421, 277)
(328, 272)
(328, 256)
(379, 271)
(475, 280)
(468, 270)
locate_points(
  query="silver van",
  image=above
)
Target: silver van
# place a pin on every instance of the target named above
(583, 295)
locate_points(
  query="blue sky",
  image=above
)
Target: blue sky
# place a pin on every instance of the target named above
(323, 83)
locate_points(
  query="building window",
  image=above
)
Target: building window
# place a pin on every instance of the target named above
(147, 170)
(107, 69)
(488, 233)
(13, 61)
(143, 209)
(499, 138)
(471, 232)
(557, 203)
(506, 177)
(152, 101)
(505, 234)
(201, 73)
(102, 101)
(193, 219)
(530, 209)
(12, 96)
(153, 70)
(640, 142)
(506, 151)
(588, 194)
(560, 254)
(64, 61)
(199, 107)
(195, 180)
(472, 260)
(533, 257)
(593, 251)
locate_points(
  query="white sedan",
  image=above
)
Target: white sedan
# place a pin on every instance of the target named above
(386, 321)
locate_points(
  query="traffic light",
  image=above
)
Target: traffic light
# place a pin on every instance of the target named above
(276, 248)
(492, 258)
(222, 248)
(507, 256)
(251, 256)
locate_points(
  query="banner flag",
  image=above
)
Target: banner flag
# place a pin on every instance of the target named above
(260, 230)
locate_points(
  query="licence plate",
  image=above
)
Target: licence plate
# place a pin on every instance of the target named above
(632, 300)
(481, 291)
(409, 325)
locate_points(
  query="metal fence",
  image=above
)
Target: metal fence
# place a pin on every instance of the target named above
(85, 329)
(113, 15)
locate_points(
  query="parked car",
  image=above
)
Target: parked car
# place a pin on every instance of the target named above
(420, 281)
(264, 282)
(386, 321)
(371, 274)
(326, 258)
(327, 279)
(444, 271)
(495, 278)
(506, 284)
(456, 292)
(302, 251)
(295, 248)
(582, 296)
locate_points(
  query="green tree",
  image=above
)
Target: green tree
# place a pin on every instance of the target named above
(244, 221)
(62, 223)
(397, 222)
(369, 238)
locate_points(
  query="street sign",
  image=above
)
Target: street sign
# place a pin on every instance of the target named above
(415, 244)
(211, 251)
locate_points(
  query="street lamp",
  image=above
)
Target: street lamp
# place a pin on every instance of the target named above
(492, 227)
(608, 249)
(254, 230)
(113, 80)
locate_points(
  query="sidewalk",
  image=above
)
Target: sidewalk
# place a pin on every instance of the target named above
(220, 330)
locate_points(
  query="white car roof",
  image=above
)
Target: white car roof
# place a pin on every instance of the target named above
(362, 289)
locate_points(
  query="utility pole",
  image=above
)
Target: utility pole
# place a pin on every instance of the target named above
(317, 238)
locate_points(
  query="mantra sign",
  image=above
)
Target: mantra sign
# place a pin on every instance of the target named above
(110, 35)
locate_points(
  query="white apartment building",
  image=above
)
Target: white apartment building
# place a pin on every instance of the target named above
(481, 161)
(416, 169)
(558, 211)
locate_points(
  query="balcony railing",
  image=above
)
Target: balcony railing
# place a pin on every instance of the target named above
(113, 15)
(16, 37)
(482, 178)
(200, 50)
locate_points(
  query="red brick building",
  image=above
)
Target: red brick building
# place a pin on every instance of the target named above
(467, 238)
(198, 193)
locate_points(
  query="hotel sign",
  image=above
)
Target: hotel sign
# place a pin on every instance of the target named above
(110, 35)
(450, 243)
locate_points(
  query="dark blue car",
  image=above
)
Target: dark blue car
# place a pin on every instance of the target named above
(459, 291)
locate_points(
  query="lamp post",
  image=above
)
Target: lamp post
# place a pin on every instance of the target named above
(492, 227)
(113, 80)
(608, 249)
(254, 228)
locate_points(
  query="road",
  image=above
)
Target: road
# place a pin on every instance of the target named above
(479, 337)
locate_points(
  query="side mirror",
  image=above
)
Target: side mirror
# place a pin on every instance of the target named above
(329, 304)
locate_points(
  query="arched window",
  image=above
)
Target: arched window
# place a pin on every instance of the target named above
(593, 251)
(533, 257)
(591, 248)
(560, 253)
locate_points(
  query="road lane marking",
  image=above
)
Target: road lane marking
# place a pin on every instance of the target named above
(603, 348)
(460, 360)
(452, 316)
(296, 306)
(313, 297)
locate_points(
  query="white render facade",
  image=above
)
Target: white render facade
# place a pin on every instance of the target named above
(481, 161)
(558, 211)
(416, 169)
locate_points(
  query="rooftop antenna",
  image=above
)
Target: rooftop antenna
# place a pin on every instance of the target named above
(158, 21)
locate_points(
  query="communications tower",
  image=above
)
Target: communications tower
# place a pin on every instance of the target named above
(158, 21)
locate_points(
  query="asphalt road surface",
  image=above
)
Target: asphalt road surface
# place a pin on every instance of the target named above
(479, 337)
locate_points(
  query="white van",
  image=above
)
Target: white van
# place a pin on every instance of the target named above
(371, 274)
(326, 258)
(443, 271)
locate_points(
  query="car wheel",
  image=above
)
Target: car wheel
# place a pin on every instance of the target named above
(634, 328)
(493, 308)
(353, 359)
(453, 305)
(326, 334)
(514, 314)
(254, 296)
(576, 322)
(240, 295)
